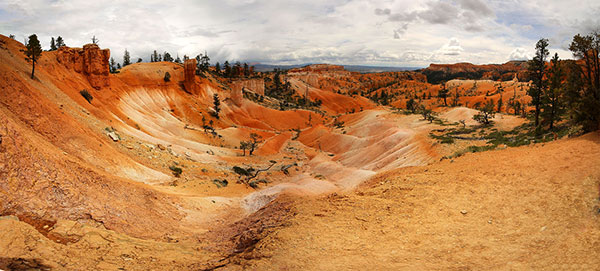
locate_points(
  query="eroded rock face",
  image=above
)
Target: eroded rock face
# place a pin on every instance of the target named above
(189, 72)
(89, 60)
(237, 88)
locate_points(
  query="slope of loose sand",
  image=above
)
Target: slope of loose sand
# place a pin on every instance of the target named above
(524, 208)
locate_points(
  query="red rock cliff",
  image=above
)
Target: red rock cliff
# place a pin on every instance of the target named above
(89, 60)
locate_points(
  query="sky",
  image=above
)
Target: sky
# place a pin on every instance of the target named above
(400, 33)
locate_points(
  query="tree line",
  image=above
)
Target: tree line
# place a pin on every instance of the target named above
(569, 88)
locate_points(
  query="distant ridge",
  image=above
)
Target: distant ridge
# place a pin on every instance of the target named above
(353, 68)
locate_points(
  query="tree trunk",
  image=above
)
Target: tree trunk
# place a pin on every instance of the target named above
(32, 67)
(537, 114)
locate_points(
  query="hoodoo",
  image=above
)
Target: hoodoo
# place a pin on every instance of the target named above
(189, 75)
(89, 60)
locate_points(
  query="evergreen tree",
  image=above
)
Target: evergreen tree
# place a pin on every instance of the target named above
(552, 99)
(246, 70)
(95, 40)
(583, 85)
(118, 66)
(155, 56)
(168, 57)
(218, 68)
(227, 69)
(177, 60)
(33, 52)
(537, 69)
(139, 60)
(126, 58)
(237, 69)
(52, 45)
(499, 105)
(111, 66)
(205, 62)
(411, 105)
(443, 93)
(217, 105)
(60, 42)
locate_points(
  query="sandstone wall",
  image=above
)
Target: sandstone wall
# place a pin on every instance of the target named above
(90, 60)
(237, 87)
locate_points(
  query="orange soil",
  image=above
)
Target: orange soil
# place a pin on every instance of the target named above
(82, 201)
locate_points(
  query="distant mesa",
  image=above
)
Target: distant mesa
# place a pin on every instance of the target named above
(438, 73)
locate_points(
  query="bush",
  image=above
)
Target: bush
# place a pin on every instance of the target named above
(176, 171)
(167, 77)
(88, 97)
(220, 183)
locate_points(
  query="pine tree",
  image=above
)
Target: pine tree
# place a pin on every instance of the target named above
(168, 57)
(537, 70)
(237, 69)
(52, 45)
(499, 105)
(227, 69)
(155, 56)
(177, 60)
(217, 68)
(33, 52)
(126, 58)
(217, 105)
(552, 97)
(246, 70)
(95, 40)
(583, 85)
(139, 60)
(443, 93)
(111, 66)
(60, 42)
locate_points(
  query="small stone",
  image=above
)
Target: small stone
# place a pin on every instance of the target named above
(543, 228)
(464, 212)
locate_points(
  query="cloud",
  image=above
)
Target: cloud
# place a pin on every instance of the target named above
(374, 32)
(452, 48)
(519, 54)
(465, 13)
(380, 12)
(477, 7)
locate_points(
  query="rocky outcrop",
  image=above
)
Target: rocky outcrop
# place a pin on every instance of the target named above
(238, 86)
(189, 72)
(90, 60)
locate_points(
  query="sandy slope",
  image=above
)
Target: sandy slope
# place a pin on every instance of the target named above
(521, 208)
(84, 201)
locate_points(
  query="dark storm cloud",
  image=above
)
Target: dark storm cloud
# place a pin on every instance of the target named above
(467, 13)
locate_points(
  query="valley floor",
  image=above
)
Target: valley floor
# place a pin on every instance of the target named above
(532, 207)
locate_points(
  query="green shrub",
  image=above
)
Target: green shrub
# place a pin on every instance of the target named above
(176, 171)
(220, 183)
(88, 97)
(167, 77)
